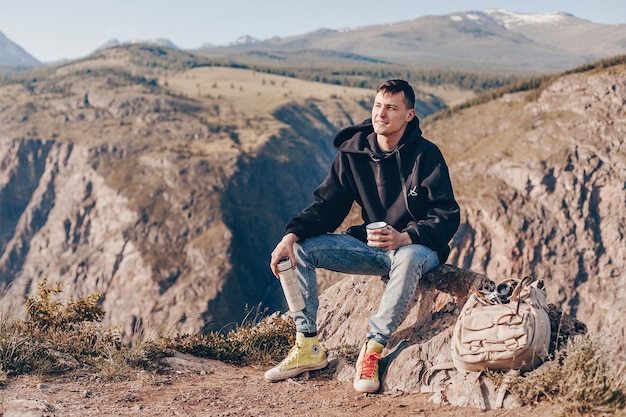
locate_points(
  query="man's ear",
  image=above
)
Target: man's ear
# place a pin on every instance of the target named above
(410, 115)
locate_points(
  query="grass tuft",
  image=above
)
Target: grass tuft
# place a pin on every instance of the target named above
(583, 377)
(265, 342)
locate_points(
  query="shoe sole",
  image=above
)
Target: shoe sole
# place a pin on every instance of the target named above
(294, 372)
(366, 386)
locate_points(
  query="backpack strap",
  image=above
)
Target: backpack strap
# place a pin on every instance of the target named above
(427, 386)
(517, 297)
(481, 297)
(471, 381)
(504, 387)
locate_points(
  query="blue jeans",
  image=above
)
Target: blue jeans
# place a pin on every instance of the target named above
(344, 253)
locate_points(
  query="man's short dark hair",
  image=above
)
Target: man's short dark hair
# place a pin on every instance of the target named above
(396, 86)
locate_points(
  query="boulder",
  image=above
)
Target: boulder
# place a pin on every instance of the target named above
(423, 338)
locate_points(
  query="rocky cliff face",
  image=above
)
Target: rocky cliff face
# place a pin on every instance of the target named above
(167, 205)
(71, 219)
(542, 182)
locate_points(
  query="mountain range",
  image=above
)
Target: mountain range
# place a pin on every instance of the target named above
(493, 40)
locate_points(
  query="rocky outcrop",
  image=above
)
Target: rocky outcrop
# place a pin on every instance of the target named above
(541, 180)
(423, 338)
(346, 307)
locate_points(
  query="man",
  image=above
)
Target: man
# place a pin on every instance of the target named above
(397, 176)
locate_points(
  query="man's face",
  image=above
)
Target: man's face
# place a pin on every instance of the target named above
(390, 114)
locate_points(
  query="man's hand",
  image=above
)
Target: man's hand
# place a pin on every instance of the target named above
(388, 238)
(282, 250)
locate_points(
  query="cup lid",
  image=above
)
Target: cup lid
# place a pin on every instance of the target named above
(284, 264)
(376, 225)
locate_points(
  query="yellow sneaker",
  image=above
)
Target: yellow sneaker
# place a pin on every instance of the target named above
(366, 377)
(305, 355)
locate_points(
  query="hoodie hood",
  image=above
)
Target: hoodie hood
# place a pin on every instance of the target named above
(360, 138)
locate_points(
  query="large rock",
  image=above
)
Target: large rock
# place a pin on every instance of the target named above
(346, 307)
(423, 338)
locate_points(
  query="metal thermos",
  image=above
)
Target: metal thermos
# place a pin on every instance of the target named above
(289, 282)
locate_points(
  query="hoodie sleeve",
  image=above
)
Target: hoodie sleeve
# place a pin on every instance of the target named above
(332, 204)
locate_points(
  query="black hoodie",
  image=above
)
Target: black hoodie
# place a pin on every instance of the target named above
(421, 202)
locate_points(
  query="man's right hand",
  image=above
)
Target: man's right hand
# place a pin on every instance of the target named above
(282, 250)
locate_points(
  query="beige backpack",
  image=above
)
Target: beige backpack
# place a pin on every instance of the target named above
(508, 328)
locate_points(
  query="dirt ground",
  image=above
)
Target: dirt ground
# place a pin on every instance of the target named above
(194, 387)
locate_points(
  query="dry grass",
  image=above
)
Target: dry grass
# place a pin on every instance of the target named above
(263, 343)
(247, 99)
(252, 93)
(583, 377)
(58, 337)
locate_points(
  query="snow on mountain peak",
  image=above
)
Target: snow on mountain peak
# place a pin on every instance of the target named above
(244, 40)
(511, 19)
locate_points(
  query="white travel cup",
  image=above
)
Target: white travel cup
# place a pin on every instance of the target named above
(289, 282)
(376, 226)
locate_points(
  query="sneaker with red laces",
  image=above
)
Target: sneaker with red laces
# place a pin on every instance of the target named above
(366, 377)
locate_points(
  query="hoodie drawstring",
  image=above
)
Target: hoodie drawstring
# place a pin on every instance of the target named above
(375, 157)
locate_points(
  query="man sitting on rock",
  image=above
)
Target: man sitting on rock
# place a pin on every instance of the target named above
(396, 176)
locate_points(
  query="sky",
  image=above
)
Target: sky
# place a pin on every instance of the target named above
(52, 30)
